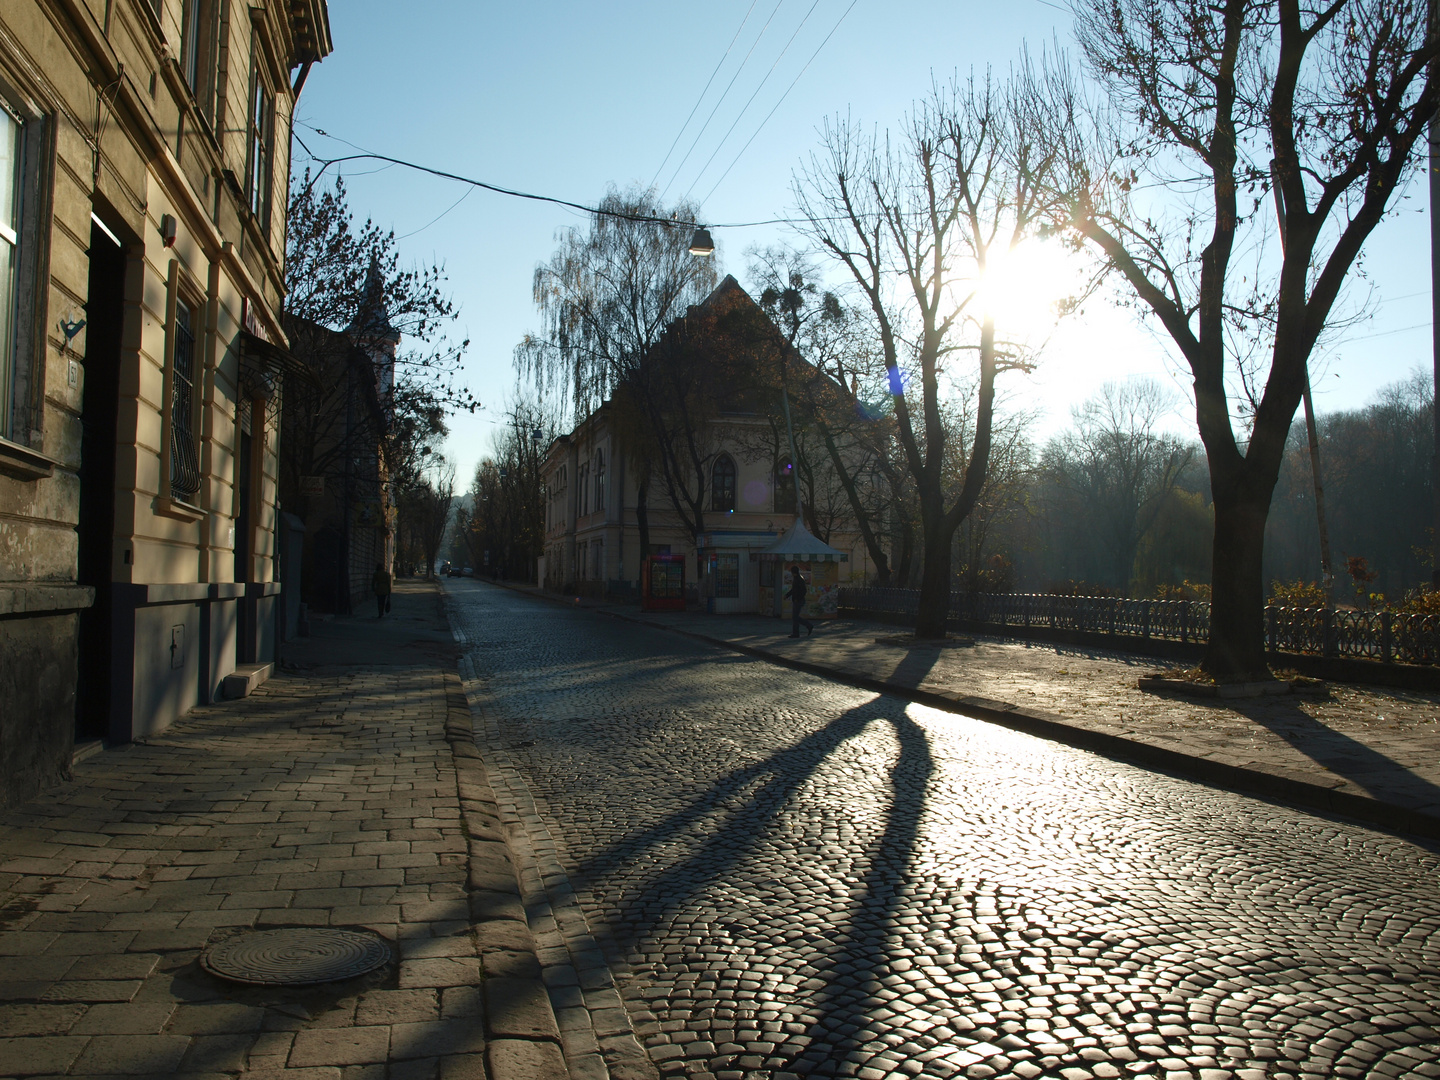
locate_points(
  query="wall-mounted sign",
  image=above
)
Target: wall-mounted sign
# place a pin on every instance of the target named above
(312, 485)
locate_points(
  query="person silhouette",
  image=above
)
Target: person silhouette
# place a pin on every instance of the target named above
(797, 601)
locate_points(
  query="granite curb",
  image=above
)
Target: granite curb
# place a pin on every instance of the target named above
(522, 1033)
(1256, 782)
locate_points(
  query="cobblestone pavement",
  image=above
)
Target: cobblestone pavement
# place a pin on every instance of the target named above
(324, 799)
(794, 877)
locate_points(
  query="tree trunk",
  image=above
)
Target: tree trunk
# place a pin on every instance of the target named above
(934, 607)
(1236, 652)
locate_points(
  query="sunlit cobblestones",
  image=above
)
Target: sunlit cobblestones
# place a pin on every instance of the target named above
(792, 877)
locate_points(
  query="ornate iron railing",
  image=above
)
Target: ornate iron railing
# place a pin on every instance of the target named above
(1367, 635)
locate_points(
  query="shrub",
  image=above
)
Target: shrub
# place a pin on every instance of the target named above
(1301, 594)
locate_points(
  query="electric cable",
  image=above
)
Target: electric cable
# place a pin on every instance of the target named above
(751, 98)
(721, 99)
(780, 102)
(703, 92)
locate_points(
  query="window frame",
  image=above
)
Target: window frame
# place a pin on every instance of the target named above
(722, 502)
(260, 143)
(23, 348)
(181, 417)
(199, 54)
(599, 481)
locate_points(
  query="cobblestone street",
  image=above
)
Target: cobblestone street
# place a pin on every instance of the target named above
(789, 876)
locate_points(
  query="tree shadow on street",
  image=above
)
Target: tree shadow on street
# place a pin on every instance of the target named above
(855, 954)
(1341, 754)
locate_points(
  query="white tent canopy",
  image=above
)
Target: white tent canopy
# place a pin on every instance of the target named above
(799, 545)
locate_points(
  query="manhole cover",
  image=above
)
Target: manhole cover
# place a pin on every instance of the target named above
(296, 957)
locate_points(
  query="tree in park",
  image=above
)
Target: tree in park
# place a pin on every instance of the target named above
(1214, 110)
(915, 222)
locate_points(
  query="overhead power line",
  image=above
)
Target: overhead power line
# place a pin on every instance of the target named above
(721, 99)
(783, 96)
(703, 92)
(751, 98)
(369, 155)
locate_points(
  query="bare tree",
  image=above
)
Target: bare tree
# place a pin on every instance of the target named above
(916, 222)
(1213, 104)
(1117, 470)
(605, 299)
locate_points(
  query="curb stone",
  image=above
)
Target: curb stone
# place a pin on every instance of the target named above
(576, 986)
(1287, 790)
(522, 1036)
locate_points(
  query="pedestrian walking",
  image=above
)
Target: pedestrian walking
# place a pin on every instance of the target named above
(380, 583)
(797, 601)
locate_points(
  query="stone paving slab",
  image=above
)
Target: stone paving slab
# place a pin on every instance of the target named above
(1369, 752)
(332, 796)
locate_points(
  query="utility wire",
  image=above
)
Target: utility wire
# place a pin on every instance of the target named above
(367, 155)
(780, 102)
(721, 100)
(703, 92)
(751, 98)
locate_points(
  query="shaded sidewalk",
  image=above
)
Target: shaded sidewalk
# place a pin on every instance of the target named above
(1372, 753)
(335, 795)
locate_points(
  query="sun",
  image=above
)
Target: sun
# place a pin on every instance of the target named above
(1025, 289)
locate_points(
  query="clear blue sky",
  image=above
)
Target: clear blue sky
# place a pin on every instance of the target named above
(567, 98)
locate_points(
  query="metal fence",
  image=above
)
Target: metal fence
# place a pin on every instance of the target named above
(1365, 635)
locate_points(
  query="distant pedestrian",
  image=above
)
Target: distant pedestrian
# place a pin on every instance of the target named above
(797, 601)
(380, 583)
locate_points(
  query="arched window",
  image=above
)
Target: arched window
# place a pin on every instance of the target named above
(599, 480)
(722, 484)
(785, 487)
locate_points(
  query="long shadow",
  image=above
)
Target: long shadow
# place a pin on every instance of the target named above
(859, 955)
(863, 956)
(1381, 776)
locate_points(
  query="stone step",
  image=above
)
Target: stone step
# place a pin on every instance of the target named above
(244, 679)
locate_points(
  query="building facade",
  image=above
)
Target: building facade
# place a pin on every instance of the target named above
(143, 184)
(596, 493)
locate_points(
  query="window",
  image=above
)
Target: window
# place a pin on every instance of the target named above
(12, 147)
(785, 487)
(262, 138)
(184, 449)
(197, 53)
(727, 577)
(584, 491)
(722, 484)
(599, 480)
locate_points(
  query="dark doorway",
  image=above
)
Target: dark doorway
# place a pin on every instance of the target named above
(245, 628)
(104, 317)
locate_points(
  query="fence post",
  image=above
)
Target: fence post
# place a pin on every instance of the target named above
(1327, 647)
(1185, 622)
(1145, 620)
(1387, 637)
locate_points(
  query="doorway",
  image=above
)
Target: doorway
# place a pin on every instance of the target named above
(104, 319)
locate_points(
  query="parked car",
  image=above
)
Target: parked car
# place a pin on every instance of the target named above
(469, 571)
(454, 571)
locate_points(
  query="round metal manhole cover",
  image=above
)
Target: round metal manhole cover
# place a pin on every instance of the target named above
(302, 956)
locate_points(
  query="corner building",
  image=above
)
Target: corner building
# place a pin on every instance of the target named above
(144, 162)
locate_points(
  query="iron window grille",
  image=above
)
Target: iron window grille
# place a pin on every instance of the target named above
(184, 453)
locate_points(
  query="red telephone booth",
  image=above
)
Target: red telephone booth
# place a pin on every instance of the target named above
(662, 583)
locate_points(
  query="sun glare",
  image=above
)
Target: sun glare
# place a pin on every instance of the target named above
(1025, 289)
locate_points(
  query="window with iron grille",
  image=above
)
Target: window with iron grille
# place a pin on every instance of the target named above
(727, 576)
(184, 451)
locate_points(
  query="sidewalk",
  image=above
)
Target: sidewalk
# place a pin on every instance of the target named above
(329, 797)
(1367, 752)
